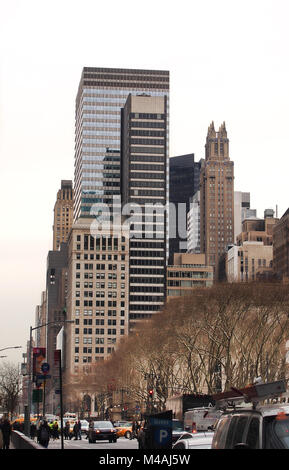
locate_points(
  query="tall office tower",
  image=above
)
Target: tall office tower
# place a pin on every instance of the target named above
(184, 182)
(144, 156)
(216, 198)
(194, 224)
(242, 211)
(101, 95)
(63, 214)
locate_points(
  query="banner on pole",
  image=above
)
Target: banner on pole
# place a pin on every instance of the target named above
(38, 358)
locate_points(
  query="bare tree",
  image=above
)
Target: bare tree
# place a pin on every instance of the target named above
(201, 343)
(10, 387)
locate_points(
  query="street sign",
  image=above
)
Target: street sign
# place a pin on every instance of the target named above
(43, 377)
(45, 367)
(57, 354)
(37, 396)
(38, 358)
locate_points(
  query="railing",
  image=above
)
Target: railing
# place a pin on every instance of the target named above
(20, 441)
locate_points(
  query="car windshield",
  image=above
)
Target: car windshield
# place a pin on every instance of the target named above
(178, 426)
(103, 424)
(277, 430)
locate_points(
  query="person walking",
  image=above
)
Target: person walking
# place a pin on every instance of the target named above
(75, 431)
(66, 430)
(6, 432)
(55, 430)
(43, 434)
(137, 428)
(79, 429)
(33, 431)
(134, 430)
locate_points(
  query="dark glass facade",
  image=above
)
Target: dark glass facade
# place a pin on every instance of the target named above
(184, 182)
(143, 185)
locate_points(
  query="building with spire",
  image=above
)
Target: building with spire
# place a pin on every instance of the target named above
(216, 198)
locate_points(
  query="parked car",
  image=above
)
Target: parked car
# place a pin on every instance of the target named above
(124, 429)
(194, 441)
(266, 427)
(177, 429)
(101, 430)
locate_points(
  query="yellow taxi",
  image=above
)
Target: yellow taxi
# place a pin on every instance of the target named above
(125, 429)
(18, 423)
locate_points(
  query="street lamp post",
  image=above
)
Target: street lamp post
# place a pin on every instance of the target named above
(29, 388)
(10, 347)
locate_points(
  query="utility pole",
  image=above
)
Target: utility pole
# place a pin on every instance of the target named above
(29, 388)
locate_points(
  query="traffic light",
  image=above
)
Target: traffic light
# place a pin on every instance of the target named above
(151, 392)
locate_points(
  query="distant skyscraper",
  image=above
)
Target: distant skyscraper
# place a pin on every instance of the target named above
(143, 182)
(216, 198)
(63, 214)
(56, 296)
(101, 95)
(184, 182)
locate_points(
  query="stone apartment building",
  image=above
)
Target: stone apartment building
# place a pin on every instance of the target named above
(251, 258)
(97, 296)
(281, 248)
(188, 272)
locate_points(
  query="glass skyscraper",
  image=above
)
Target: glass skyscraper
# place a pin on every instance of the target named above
(101, 95)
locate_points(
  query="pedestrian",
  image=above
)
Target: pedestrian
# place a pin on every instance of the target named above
(75, 431)
(1, 434)
(133, 430)
(138, 426)
(55, 430)
(79, 429)
(43, 434)
(66, 430)
(6, 432)
(33, 431)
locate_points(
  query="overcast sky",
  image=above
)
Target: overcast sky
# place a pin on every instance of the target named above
(227, 63)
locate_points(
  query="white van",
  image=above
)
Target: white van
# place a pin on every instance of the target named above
(201, 419)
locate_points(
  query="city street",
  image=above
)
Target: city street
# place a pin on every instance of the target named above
(122, 443)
